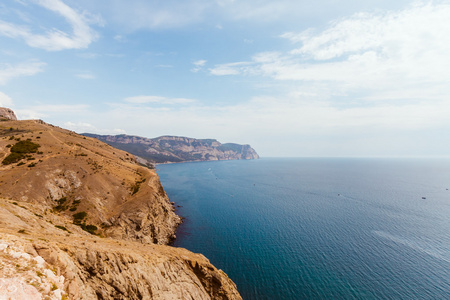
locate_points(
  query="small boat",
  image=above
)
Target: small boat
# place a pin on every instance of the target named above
(424, 198)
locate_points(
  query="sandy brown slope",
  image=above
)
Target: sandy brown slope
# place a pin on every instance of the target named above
(45, 252)
(72, 174)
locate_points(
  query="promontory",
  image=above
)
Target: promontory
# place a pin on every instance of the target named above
(80, 219)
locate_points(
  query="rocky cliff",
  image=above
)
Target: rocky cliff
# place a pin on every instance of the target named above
(42, 260)
(7, 114)
(89, 214)
(178, 149)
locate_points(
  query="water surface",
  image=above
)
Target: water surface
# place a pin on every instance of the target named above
(319, 228)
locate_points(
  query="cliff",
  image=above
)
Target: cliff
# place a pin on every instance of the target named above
(177, 149)
(39, 260)
(80, 219)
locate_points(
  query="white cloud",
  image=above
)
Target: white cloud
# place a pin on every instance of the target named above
(158, 99)
(293, 120)
(232, 68)
(368, 54)
(46, 110)
(120, 38)
(5, 100)
(164, 66)
(62, 108)
(86, 75)
(198, 65)
(54, 39)
(142, 14)
(82, 127)
(8, 72)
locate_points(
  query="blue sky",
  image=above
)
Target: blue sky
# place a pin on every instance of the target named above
(291, 78)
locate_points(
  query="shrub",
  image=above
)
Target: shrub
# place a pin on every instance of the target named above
(12, 158)
(89, 228)
(25, 147)
(62, 228)
(61, 205)
(19, 151)
(78, 217)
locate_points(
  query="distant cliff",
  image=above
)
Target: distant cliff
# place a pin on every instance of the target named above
(177, 149)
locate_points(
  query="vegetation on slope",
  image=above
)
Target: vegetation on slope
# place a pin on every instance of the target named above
(21, 150)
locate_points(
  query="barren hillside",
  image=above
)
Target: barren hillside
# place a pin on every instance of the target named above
(82, 220)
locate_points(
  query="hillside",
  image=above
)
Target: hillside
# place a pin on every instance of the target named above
(94, 217)
(177, 149)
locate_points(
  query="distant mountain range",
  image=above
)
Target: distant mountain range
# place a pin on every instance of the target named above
(167, 149)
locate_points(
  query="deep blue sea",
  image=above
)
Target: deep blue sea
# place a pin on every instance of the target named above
(314, 228)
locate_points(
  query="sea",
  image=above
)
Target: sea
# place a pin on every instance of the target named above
(319, 228)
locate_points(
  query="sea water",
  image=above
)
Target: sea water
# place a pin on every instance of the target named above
(319, 228)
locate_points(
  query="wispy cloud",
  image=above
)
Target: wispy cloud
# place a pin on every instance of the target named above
(48, 110)
(198, 65)
(5, 100)
(142, 14)
(263, 121)
(158, 99)
(232, 68)
(83, 127)
(8, 72)
(367, 54)
(54, 39)
(85, 75)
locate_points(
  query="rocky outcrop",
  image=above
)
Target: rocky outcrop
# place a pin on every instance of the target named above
(43, 260)
(7, 114)
(178, 149)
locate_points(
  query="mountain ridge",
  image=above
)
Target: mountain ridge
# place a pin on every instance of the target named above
(167, 149)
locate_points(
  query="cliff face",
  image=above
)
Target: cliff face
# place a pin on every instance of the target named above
(38, 259)
(178, 149)
(7, 114)
(82, 220)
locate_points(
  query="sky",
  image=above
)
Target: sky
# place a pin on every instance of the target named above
(292, 78)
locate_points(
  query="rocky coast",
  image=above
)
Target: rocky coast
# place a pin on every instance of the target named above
(80, 219)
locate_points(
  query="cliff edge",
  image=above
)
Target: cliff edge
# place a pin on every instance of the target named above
(80, 219)
(177, 149)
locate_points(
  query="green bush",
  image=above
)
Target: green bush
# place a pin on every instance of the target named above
(78, 217)
(89, 228)
(61, 227)
(19, 151)
(25, 147)
(61, 205)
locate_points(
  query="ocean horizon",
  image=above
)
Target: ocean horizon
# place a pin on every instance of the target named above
(319, 228)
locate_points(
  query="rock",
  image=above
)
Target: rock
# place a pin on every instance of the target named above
(7, 114)
(177, 149)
